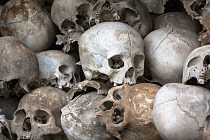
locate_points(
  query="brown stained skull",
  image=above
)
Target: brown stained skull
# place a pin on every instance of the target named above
(127, 112)
(19, 67)
(130, 12)
(38, 114)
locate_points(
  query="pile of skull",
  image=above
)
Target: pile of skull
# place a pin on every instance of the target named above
(104, 70)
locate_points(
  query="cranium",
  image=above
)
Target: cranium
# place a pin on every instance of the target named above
(112, 50)
(19, 66)
(166, 50)
(38, 114)
(131, 12)
(26, 20)
(196, 67)
(78, 117)
(180, 111)
(58, 69)
(127, 112)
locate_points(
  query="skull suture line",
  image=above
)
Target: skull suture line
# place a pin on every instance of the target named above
(112, 50)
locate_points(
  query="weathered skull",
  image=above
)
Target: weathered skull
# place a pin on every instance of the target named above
(5, 129)
(166, 50)
(170, 20)
(71, 15)
(180, 111)
(19, 66)
(112, 50)
(131, 12)
(127, 112)
(78, 117)
(26, 20)
(38, 114)
(197, 67)
(58, 69)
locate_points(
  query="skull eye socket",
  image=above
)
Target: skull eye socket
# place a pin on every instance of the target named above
(207, 126)
(206, 61)
(194, 61)
(67, 25)
(118, 116)
(138, 61)
(64, 69)
(106, 105)
(117, 94)
(41, 117)
(116, 62)
(20, 116)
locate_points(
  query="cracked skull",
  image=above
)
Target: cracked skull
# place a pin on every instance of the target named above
(180, 111)
(131, 12)
(58, 69)
(166, 50)
(112, 50)
(197, 67)
(26, 20)
(127, 112)
(19, 67)
(38, 114)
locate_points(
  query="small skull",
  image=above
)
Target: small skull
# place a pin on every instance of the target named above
(127, 112)
(38, 114)
(26, 20)
(112, 51)
(196, 69)
(19, 67)
(131, 12)
(58, 69)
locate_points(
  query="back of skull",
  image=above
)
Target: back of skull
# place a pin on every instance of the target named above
(112, 50)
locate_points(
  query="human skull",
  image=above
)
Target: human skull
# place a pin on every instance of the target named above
(78, 117)
(170, 20)
(180, 111)
(127, 112)
(112, 50)
(26, 20)
(131, 12)
(166, 50)
(197, 67)
(19, 67)
(71, 15)
(38, 114)
(58, 69)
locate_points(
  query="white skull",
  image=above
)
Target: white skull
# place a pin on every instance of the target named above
(166, 50)
(180, 111)
(58, 69)
(26, 20)
(38, 114)
(112, 50)
(197, 66)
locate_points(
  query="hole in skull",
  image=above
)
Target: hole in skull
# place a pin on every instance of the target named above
(129, 73)
(118, 115)
(117, 94)
(139, 61)
(67, 25)
(116, 62)
(206, 61)
(173, 6)
(11, 84)
(64, 69)
(20, 116)
(197, 6)
(194, 61)
(207, 125)
(192, 81)
(41, 117)
(88, 89)
(27, 125)
(107, 105)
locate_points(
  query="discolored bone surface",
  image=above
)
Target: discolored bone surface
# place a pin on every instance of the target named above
(127, 112)
(154, 6)
(19, 66)
(29, 22)
(5, 130)
(38, 114)
(166, 50)
(180, 111)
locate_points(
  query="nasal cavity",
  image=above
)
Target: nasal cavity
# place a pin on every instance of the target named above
(27, 125)
(129, 73)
